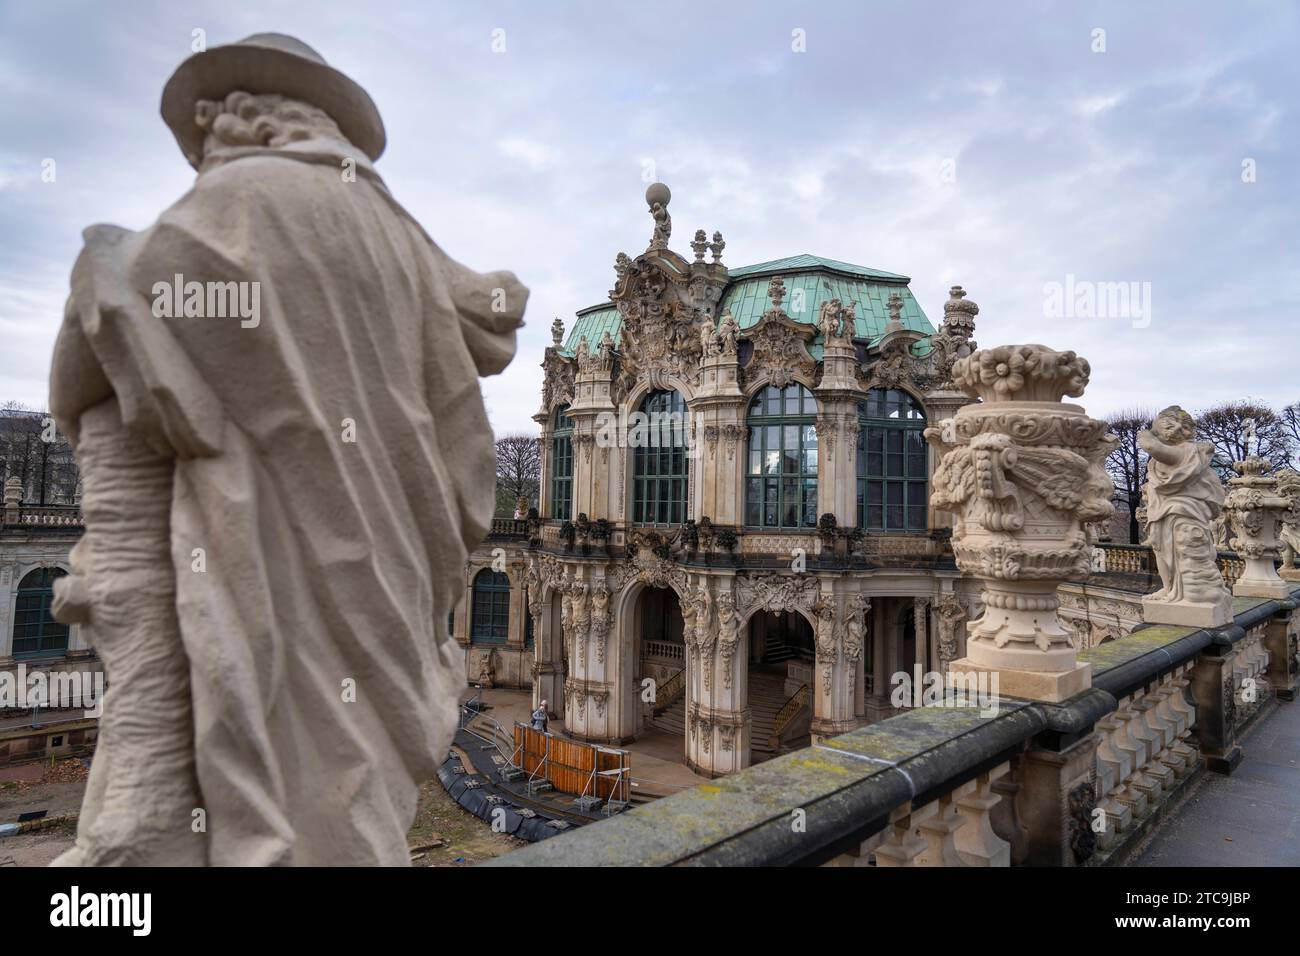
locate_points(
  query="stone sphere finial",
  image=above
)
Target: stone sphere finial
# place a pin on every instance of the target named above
(658, 193)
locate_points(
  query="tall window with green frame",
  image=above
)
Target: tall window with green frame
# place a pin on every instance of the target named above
(893, 462)
(781, 480)
(562, 466)
(36, 633)
(660, 470)
(491, 620)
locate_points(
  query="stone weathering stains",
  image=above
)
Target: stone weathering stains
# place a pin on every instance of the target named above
(294, 687)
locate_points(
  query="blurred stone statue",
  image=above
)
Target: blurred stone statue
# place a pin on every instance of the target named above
(1183, 498)
(273, 394)
(1288, 486)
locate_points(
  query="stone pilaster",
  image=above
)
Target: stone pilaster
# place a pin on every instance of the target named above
(1280, 640)
(1056, 802)
(1216, 707)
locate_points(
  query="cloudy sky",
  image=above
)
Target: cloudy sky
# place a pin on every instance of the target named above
(995, 145)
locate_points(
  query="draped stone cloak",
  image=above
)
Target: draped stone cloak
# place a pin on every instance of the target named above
(1186, 491)
(329, 563)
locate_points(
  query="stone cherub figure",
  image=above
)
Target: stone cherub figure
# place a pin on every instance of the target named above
(1183, 497)
(278, 511)
(1288, 486)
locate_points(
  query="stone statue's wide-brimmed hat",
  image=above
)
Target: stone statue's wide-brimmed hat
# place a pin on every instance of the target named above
(269, 63)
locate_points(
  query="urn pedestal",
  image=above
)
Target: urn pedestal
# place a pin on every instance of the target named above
(1256, 511)
(1022, 474)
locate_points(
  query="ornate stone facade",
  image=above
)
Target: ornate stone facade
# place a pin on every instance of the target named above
(693, 604)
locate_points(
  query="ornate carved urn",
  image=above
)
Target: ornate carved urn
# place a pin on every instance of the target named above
(1022, 474)
(1256, 511)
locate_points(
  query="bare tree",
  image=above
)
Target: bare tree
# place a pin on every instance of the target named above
(1127, 462)
(519, 470)
(35, 453)
(1290, 417)
(1225, 427)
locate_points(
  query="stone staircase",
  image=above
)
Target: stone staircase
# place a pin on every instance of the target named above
(673, 720)
(766, 695)
(776, 650)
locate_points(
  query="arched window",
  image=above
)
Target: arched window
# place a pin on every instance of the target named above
(781, 482)
(491, 621)
(660, 476)
(562, 466)
(893, 462)
(36, 633)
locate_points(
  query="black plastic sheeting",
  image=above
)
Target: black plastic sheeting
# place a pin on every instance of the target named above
(475, 800)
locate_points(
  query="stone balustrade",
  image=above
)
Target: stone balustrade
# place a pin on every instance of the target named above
(508, 528)
(1074, 783)
(665, 650)
(1137, 559)
(42, 516)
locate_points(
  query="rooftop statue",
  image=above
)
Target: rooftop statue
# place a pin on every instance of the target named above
(1183, 497)
(279, 502)
(657, 198)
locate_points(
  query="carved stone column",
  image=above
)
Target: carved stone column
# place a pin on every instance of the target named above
(718, 722)
(1255, 511)
(1022, 472)
(832, 697)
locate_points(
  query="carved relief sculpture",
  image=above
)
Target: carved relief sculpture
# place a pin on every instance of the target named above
(728, 635)
(949, 614)
(581, 620)
(827, 642)
(705, 636)
(1022, 473)
(1183, 496)
(855, 630)
(780, 343)
(600, 619)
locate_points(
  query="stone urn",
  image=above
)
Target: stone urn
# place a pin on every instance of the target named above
(1022, 474)
(1256, 511)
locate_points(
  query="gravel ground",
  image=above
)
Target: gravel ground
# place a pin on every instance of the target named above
(443, 834)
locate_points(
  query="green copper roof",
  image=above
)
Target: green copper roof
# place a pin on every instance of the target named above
(807, 279)
(805, 261)
(592, 325)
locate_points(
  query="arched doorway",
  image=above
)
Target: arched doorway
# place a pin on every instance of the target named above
(661, 657)
(779, 691)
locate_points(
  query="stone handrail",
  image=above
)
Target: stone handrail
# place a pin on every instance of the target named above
(957, 786)
(668, 693)
(789, 710)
